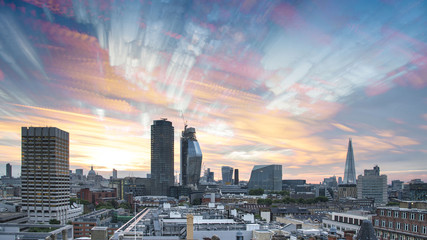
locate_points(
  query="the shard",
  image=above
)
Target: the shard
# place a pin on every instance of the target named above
(350, 169)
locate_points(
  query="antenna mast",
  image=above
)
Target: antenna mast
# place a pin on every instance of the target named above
(183, 119)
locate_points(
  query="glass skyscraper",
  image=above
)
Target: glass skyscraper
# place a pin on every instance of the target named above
(191, 157)
(350, 169)
(227, 175)
(267, 177)
(162, 157)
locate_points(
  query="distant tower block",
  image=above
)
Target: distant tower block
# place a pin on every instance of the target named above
(350, 170)
(236, 176)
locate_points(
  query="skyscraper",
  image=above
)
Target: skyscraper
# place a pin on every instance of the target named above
(372, 185)
(8, 170)
(162, 156)
(45, 173)
(236, 176)
(210, 176)
(350, 170)
(191, 157)
(227, 175)
(267, 177)
(114, 173)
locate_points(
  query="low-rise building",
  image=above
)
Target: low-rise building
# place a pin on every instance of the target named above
(348, 221)
(97, 195)
(82, 225)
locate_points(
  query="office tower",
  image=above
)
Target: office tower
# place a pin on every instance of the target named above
(8, 170)
(350, 170)
(191, 157)
(267, 177)
(114, 173)
(162, 156)
(210, 176)
(339, 180)
(44, 173)
(79, 172)
(236, 176)
(330, 182)
(372, 185)
(227, 175)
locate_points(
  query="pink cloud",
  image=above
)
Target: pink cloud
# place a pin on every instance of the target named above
(377, 88)
(397, 121)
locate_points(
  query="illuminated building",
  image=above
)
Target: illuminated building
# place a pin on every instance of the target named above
(45, 175)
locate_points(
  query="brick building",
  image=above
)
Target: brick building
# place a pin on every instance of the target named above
(394, 223)
(82, 225)
(97, 195)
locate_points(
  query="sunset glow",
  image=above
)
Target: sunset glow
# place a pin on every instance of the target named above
(263, 82)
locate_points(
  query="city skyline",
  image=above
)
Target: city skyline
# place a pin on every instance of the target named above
(262, 82)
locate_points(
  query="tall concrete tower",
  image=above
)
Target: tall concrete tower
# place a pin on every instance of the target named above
(45, 174)
(162, 156)
(350, 169)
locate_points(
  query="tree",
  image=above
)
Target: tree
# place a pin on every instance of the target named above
(54, 221)
(267, 201)
(258, 191)
(125, 205)
(197, 201)
(322, 199)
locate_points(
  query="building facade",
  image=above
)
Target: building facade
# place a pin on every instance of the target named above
(227, 175)
(267, 177)
(191, 158)
(45, 173)
(373, 185)
(347, 191)
(347, 221)
(394, 223)
(162, 156)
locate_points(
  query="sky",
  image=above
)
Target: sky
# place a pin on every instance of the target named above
(263, 82)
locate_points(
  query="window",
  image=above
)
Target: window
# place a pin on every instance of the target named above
(406, 227)
(412, 216)
(382, 212)
(421, 217)
(398, 225)
(377, 222)
(414, 228)
(388, 213)
(390, 224)
(424, 231)
(404, 215)
(396, 214)
(383, 223)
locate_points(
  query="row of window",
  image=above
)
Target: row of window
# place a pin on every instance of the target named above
(394, 236)
(404, 215)
(398, 225)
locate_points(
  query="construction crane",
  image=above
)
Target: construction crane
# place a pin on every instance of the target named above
(183, 119)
